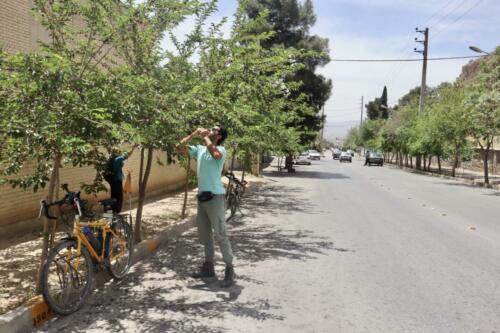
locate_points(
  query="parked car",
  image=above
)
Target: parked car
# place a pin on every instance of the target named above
(345, 157)
(303, 158)
(314, 154)
(350, 152)
(375, 158)
(336, 153)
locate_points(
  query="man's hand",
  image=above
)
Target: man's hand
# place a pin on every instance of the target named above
(203, 132)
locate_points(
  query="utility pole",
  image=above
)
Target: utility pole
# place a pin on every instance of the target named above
(361, 120)
(423, 89)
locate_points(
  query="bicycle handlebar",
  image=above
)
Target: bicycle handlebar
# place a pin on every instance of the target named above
(232, 177)
(44, 206)
(69, 198)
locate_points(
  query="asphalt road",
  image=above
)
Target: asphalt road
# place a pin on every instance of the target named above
(331, 248)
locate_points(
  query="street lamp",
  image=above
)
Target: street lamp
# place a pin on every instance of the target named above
(478, 50)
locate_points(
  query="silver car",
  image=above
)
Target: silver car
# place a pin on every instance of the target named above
(345, 157)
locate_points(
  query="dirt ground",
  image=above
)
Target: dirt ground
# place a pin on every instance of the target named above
(19, 256)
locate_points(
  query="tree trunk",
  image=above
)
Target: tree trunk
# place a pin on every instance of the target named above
(46, 223)
(143, 182)
(429, 163)
(232, 161)
(455, 163)
(411, 161)
(418, 162)
(439, 164)
(425, 161)
(485, 163)
(288, 163)
(186, 188)
(406, 160)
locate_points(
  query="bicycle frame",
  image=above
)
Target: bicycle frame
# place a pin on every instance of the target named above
(101, 224)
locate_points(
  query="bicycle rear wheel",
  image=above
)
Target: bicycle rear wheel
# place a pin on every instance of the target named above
(119, 247)
(66, 279)
(231, 204)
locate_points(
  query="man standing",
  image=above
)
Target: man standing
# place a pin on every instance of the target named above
(367, 157)
(210, 220)
(114, 176)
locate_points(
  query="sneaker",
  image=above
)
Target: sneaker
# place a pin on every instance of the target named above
(228, 277)
(206, 271)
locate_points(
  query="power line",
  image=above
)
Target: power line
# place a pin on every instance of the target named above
(398, 68)
(458, 18)
(436, 12)
(402, 60)
(460, 4)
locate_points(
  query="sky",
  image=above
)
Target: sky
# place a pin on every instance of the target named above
(385, 29)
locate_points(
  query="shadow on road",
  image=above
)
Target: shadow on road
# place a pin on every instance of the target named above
(305, 174)
(460, 184)
(159, 295)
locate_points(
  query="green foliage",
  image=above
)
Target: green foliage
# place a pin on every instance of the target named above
(287, 25)
(482, 102)
(378, 108)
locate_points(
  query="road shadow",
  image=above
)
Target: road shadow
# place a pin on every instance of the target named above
(465, 185)
(159, 295)
(274, 200)
(305, 174)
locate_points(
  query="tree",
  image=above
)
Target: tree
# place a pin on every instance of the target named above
(54, 108)
(384, 112)
(150, 100)
(290, 22)
(378, 108)
(483, 106)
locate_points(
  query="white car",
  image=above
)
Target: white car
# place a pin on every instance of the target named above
(303, 159)
(314, 154)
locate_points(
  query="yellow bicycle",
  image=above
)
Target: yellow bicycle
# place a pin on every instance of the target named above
(68, 272)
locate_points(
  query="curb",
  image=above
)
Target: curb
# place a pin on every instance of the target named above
(458, 179)
(35, 312)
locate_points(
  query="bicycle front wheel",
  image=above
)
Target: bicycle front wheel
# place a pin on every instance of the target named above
(119, 247)
(66, 279)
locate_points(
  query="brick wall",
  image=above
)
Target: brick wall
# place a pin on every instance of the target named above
(20, 32)
(19, 205)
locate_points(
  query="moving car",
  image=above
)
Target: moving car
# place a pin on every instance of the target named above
(345, 157)
(336, 153)
(314, 154)
(303, 158)
(375, 158)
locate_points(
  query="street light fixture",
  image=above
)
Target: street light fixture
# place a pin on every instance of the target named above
(478, 50)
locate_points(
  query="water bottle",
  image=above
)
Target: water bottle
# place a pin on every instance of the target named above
(92, 239)
(108, 215)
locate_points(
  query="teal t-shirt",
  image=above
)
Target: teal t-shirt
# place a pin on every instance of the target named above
(118, 166)
(209, 169)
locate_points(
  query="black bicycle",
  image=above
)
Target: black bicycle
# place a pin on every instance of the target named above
(235, 190)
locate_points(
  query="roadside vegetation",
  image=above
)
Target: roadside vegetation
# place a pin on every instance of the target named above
(104, 78)
(458, 118)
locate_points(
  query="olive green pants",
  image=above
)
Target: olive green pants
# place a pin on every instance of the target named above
(211, 223)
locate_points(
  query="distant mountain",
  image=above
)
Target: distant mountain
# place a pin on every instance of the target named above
(339, 130)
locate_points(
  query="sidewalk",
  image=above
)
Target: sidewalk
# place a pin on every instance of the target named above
(19, 257)
(461, 174)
